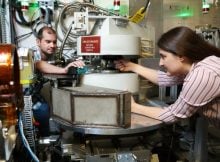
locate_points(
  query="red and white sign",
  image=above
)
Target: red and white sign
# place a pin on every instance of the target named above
(90, 44)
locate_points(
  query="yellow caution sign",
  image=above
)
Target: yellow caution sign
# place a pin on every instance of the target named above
(138, 16)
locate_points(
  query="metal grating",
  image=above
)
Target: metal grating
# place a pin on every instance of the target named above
(28, 121)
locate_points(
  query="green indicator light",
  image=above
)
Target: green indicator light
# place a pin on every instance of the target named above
(205, 5)
(34, 5)
(185, 12)
(184, 15)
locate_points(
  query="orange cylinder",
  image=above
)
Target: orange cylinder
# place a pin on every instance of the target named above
(10, 88)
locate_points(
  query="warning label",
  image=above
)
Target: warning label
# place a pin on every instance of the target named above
(90, 44)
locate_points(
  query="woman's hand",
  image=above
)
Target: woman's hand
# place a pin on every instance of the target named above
(133, 103)
(124, 65)
(150, 111)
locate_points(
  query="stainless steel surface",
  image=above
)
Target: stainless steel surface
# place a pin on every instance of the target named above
(55, 77)
(92, 106)
(60, 79)
(200, 153)
(7, 142)
(139, 124)
(125, 156)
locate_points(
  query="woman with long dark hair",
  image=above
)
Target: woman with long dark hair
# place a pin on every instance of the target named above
(188, 60)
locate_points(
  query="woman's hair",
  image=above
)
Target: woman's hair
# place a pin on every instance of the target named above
(183, 41)
(47, 29)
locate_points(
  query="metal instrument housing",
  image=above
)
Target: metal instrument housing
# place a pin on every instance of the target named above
(92, 106)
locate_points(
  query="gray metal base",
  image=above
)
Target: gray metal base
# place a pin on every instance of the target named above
(139, 124)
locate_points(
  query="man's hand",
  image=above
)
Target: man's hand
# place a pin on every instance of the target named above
(77, 63)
